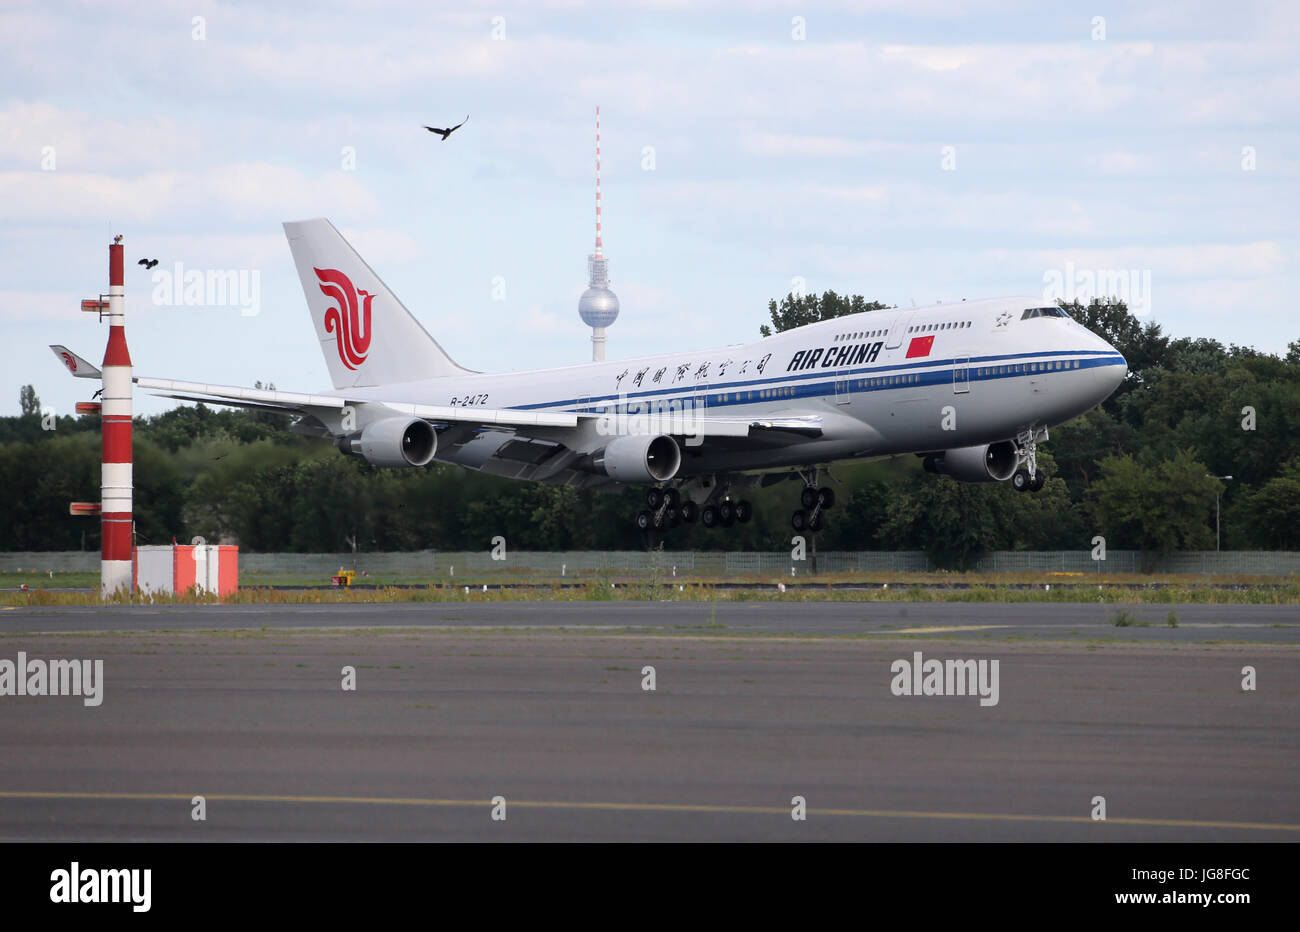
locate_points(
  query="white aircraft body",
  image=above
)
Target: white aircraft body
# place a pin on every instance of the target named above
(972, 387)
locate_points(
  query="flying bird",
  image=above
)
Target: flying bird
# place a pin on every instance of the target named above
(148, 263)
(444, 133)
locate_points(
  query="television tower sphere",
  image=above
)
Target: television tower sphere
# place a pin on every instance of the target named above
(598, 307)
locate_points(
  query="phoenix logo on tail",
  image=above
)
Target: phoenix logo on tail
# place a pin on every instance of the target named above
(346, 317)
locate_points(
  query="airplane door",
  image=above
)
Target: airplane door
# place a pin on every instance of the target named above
(961, 374)
(900, 327)
(843, 387)
(701, 398)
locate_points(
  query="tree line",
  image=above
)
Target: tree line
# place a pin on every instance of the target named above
(1142, 470)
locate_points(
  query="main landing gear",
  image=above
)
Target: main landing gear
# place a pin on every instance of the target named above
(1029, 478)
(726, 513)
(814, 501)
(666, 509)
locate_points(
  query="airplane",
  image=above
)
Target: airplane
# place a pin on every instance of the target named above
(971, 387)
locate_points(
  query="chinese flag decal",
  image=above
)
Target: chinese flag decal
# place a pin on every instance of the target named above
(920, 346)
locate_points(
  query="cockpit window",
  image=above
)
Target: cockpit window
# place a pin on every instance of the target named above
(1043, 312)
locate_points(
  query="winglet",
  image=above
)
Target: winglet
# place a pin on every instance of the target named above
(75, 364)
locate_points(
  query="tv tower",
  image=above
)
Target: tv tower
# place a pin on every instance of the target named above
(598, 306)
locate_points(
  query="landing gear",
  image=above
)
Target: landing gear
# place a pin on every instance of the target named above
(1021, 481)
(667, 507)
(657, 498)
(1029, 478)
(807, 521)
(815, 501)
(664, 509)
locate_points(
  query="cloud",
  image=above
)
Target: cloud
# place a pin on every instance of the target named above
(247, 191)
(34, 306)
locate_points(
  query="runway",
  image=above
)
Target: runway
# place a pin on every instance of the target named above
(542, 704)
(992, 620)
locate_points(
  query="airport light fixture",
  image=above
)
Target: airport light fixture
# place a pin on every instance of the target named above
(1216, 508)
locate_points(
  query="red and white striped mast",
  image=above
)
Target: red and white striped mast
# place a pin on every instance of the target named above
(599, 250)
(115, 471)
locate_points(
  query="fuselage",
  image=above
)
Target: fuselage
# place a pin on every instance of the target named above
(883, 382)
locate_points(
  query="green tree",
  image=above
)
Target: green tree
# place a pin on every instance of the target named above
(808, 309)
(1274, 510)
(1155, 509)
(28, 402)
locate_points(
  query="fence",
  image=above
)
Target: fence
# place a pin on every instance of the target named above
(714, 563)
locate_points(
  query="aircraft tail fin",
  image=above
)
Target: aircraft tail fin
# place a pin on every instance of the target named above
(367, 335)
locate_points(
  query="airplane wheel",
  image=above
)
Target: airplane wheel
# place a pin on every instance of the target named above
(799, 520)
(643, 520)
(1020, 480)
(673, 516)
(709, 516)
(690, 512)
(816, 523)
(1036, 483)
(672, 497)
(826, 496)
(726, 512)
(653, 499)
(808, 497)
(744, 511)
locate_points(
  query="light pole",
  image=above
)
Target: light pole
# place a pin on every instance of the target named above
(1216, 508)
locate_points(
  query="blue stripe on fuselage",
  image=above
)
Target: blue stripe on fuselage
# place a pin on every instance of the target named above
(812, 385)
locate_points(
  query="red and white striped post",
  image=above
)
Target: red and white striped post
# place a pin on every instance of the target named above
(115, 476)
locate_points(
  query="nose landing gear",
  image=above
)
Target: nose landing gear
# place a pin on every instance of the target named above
(1029, 478)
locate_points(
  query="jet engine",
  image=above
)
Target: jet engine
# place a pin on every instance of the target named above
(394, 441)
(640, 458)
(990, 462)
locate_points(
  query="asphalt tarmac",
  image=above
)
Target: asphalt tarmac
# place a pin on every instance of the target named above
(543, 706)
(993, 620)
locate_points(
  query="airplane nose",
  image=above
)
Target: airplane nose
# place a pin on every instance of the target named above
(1108, 377)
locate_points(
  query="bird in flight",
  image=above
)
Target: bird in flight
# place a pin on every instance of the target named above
(444, 133)
(148, 263)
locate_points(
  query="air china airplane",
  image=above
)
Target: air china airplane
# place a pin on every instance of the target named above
(971, 387)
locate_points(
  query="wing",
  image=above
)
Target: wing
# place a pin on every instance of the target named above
(544, 446)
(317, 405)
(462, 122)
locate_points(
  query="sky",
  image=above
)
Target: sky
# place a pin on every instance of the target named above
(912, 151)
